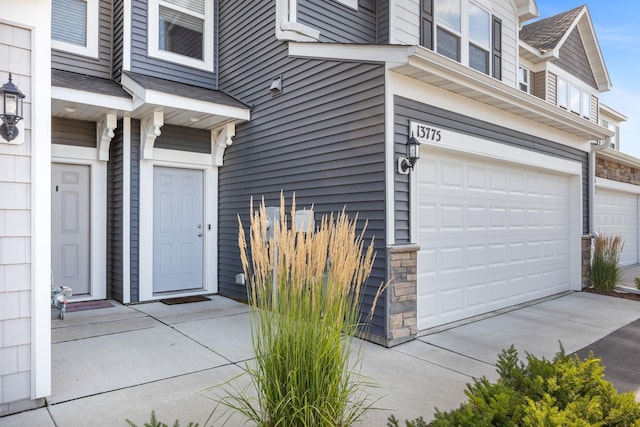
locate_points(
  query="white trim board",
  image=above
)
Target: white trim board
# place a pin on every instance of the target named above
(617, 186)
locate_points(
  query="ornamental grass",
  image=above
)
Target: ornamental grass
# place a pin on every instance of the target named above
(605, 270)
(306, 288)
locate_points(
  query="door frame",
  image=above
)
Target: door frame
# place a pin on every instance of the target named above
(181, 160)
(98, 222)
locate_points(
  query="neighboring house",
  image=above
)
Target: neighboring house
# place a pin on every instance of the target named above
(172, 114)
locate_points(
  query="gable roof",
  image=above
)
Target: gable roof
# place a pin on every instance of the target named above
(541, 41)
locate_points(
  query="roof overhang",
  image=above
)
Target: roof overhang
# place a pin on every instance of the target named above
(610, 112)
(181, 110)
(619, 157)
(526, 9)
(429, 67)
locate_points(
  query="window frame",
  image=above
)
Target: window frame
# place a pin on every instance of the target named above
(153, 37)
(91, 48)
(464, 34)
(583, 106)
(527, 73)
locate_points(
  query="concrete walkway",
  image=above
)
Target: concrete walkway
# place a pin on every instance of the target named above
(122, 362)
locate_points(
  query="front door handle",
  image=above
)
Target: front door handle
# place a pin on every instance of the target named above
(199, 234)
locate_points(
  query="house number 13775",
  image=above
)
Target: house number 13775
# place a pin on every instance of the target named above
(428, 133)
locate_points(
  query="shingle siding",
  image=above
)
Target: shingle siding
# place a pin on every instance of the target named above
(97, 67)
(322, 138)
(406, 110)
(574, 59)
(144, 64)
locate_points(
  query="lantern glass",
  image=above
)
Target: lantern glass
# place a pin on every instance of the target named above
(413, 149)
(10, 104)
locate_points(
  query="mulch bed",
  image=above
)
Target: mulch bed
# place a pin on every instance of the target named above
(625, 295)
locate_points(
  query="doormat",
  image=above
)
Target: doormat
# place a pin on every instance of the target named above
(184, 300)
(87, 305)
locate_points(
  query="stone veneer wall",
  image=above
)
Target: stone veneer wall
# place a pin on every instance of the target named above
(615, 171)
(402, 293)
(586, 261)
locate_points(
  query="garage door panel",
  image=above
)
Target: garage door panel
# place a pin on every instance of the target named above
(617, 214)
(492, 235)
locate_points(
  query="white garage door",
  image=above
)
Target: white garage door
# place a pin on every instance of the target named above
(617, 213)
(491, 235)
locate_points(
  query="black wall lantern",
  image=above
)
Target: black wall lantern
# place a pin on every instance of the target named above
(12, 109)
(413, 154)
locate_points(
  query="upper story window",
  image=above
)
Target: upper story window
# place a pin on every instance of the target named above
(75, 26)
(182, 31)
(524, 76)
(615, 139)
(574, 99)
(463, 31)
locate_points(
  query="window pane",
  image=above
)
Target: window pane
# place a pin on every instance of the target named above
(574, 99)
(448, 13)
(196, 6)
(69, 21)
(478, 59)
(562, 93)
(448, 44)
(181, 33)
(479, 26)
(523, 79)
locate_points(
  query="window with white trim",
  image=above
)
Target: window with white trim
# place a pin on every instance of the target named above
(181, 31)
(574, 99)
(464, 31)
(615, 139)
(75, 26)
(524, 76)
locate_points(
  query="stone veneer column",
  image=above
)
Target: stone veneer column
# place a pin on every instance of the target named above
(402, 292)
(586, 261)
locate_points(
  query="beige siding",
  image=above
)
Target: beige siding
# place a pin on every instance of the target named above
(15, 232)
(552, 83)
(595, 109)
(505, 11)
(407, 22)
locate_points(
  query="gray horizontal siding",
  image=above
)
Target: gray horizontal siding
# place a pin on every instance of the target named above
(115, 212)
(97, 67)
(338, 23)
(79, 133)
(143, 64)
(184, 139)
(118, 38)
(406, 110)
(134, 219)
(322, 138)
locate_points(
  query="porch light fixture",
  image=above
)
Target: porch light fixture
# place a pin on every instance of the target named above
(12, 109)
(413, 154)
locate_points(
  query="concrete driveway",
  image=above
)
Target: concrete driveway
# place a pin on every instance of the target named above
(122, 362)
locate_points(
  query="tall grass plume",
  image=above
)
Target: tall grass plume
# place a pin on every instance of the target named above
(306, 288)
(605, 269)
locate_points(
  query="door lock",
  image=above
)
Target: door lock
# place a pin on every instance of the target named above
(199, 234)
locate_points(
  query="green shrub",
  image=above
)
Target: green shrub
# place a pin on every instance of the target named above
(564, 392)
(605, 271)
(637, 282)
(306, 371)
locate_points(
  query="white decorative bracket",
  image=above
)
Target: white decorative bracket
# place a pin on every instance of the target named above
(150, 131)
(105, 129)
(221, 138)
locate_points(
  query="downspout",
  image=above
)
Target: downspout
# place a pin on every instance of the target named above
(592, 184)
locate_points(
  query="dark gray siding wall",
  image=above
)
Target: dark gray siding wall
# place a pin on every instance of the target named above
(406, 110)
(539, 84)
(79, 133)
(322, 138)
(382, 12)
(97, 67)
(184, 139)
(134, 220)
(118, 38)
(573, 58)
(143, 64)
(115, 212)
(338, 23)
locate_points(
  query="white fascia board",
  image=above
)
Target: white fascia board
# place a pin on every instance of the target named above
(620, 157)
(91, 98)
(351, 52)
(612, 113)
(174, 101)
(623, 187)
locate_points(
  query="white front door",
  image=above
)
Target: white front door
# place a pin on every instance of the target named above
(617, 214)
(178, 229)
(70, 227)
